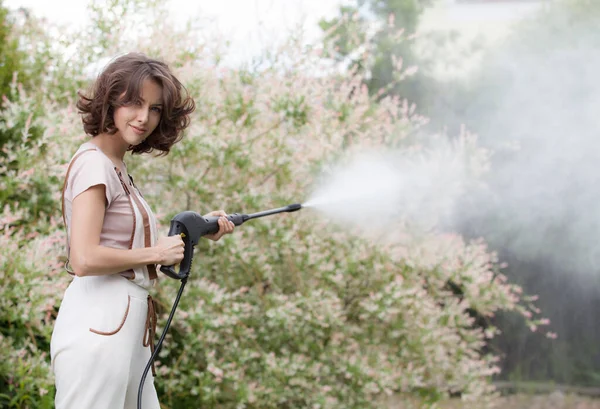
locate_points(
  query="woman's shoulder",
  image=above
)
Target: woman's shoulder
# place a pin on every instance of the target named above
(89, 166)
(89, 154)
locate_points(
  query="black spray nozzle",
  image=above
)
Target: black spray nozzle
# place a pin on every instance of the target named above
(191, 226)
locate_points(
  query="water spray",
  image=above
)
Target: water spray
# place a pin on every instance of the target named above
(191, 226)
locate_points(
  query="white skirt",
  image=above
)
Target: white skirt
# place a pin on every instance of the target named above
(97, 347)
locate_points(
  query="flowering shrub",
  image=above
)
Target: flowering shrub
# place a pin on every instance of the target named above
(31, 283)
(290, 311)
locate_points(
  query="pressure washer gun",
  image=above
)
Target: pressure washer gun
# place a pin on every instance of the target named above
(192, 226)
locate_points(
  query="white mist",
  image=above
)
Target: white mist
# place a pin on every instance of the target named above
(376, 189)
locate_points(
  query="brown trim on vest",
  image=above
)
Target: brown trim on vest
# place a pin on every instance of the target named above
(129, 274)
(126, 189)
(147, 234)
(95, 331)
(64, 188)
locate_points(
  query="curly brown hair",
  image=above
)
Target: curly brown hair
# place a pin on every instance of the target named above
(120, 84)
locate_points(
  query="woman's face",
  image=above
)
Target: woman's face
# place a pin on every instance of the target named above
(137, 121)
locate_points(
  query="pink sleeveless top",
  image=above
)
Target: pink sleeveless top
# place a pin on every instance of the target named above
(128, 220)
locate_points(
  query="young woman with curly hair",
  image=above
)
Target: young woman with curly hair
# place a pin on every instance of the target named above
(103, 334)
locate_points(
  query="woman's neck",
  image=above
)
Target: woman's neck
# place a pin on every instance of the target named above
(113, 146)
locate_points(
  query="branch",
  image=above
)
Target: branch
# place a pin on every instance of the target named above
(256, 137)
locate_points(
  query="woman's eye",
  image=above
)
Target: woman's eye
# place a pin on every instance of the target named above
(157, 109)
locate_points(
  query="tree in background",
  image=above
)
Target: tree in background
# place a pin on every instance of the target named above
(25, 57)
(384, 30)
(11, 58)
(14, 63)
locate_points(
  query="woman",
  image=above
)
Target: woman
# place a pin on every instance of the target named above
(102, 338)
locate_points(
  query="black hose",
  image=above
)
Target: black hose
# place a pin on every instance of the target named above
(160, 341)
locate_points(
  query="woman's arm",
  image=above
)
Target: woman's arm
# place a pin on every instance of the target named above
(88, 257)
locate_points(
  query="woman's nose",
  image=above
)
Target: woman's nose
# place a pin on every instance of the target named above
(142, 115)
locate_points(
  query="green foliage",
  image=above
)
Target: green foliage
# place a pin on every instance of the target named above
(22, 186)
(28, 380)
(12, 61)
(25, 55)
(294, 109)
(30, 284)
(11, 58)
(382, 29)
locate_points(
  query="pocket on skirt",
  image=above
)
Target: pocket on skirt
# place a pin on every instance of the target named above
(110, 319)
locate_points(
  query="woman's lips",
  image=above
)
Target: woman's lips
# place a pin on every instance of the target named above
(139, 131)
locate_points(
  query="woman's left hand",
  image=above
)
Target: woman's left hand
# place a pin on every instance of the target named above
(225, 225)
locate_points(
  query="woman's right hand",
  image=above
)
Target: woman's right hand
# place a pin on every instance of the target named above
(170, 250)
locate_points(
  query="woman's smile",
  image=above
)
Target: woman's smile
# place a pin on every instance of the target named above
(137, 130)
